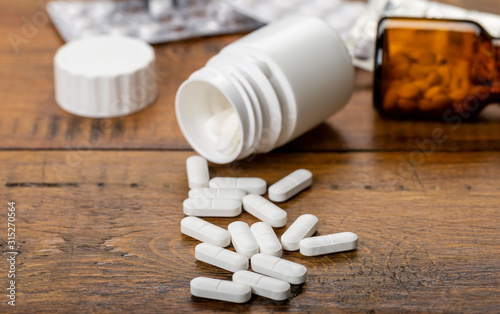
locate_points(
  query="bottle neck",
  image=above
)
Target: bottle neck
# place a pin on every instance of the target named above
(204, 103)
(266, 102)
(240, 95)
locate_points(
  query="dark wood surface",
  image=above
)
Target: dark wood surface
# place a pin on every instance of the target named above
(99, 201)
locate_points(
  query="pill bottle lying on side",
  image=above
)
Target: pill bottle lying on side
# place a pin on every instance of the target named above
(265, 90)
(435, 69)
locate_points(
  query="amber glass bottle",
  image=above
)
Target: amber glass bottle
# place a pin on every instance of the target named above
(433, 68)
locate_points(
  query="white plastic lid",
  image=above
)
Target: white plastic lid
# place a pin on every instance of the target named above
(105, 76)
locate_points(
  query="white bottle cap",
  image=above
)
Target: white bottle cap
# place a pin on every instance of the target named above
(105, 76)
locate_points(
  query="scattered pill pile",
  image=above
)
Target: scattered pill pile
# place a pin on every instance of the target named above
(257, 245)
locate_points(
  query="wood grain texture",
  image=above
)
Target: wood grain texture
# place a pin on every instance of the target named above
(98, 231)
(31, 119)
(104, 235)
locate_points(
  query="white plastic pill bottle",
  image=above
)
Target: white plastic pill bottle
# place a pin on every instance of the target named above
(265, 89)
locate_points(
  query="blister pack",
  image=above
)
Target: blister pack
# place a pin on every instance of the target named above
(361, 39)
(154, 21)
(341, 15)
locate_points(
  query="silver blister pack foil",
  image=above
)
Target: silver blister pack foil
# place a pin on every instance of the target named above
(154, 21)
(341, 15)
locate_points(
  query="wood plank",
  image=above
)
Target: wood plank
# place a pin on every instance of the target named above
(30, 118)
(99, 231)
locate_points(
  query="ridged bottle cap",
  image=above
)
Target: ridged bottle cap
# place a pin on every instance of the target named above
(105, 76)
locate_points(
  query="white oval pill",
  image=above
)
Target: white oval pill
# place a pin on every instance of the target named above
(249, 185)
(211, 207)
(266, 238)
(197, 172)
(159, 8)
(279, 268)
(149, 31)
(236, 194)
(303, 227)
(214, 124)
(223, 290)
(332, 243)
(205, 232)
(242, 238)
(264, 286)
(290, 185)
(230, 135)
(222, 258)
(264, 210)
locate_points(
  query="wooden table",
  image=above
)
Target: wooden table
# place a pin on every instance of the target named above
(99, 201)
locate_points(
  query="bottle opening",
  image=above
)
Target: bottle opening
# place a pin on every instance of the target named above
(209, 121)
